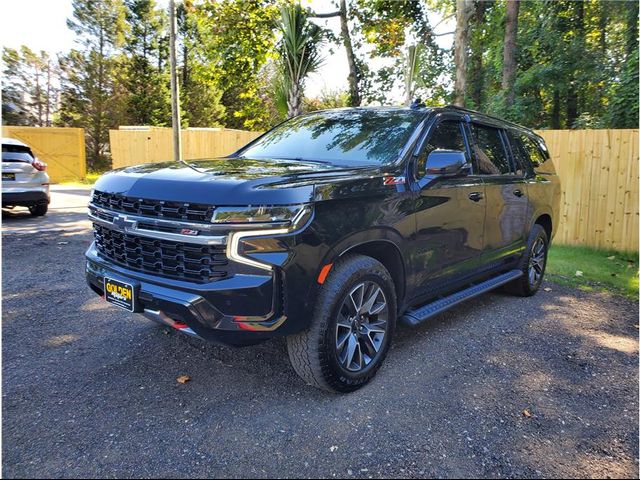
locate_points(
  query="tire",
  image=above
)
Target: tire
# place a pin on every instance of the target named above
(321, 354)
(39, 210)
(535, 257)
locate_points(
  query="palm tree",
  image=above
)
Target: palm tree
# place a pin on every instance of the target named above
(299, 53)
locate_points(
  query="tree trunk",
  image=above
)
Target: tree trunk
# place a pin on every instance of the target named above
(509, 63)
(464, 10)
(355, 99)
(48, 96)
(294, 102)
(409, 84)
(354, 74)
(555, 110)
(476, 72)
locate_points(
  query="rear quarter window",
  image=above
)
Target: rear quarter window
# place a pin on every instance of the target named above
(539, 155)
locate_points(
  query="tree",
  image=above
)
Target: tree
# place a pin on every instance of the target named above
(237, 36)
(147, 76)
(355, 74)
(476, 74)
(464, 11)
(298, 53)
(199, 92)
(30, 88)
(509, 64)
(91, 93)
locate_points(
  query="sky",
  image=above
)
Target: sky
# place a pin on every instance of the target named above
(41, 25)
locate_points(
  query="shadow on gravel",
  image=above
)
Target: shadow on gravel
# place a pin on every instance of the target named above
(499, 386)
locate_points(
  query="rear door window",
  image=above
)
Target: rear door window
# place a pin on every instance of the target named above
(489, 151)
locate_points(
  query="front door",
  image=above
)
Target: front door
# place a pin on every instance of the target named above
(449, 216)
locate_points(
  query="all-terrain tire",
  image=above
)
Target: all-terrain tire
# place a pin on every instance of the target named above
(314, 353)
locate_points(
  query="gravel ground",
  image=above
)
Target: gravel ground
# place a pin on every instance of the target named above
(499, 387)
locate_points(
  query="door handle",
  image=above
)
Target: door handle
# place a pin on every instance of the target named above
(475, 196)
(518, 193)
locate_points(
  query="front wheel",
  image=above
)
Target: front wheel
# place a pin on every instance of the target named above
(351, 329)
(533, 264)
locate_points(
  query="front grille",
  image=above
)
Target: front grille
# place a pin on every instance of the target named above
(183, 261)
(153, 208)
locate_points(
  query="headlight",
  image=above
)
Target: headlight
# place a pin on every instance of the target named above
(257, 214)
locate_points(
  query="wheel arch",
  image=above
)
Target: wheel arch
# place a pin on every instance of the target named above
(544, 220)
(380, 244)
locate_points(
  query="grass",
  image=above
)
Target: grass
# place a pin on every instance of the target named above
(89, 179)
(595, 270)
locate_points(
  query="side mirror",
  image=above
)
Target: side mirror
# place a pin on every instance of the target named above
(445, 162)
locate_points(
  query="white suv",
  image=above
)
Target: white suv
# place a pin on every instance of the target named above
(25, 182)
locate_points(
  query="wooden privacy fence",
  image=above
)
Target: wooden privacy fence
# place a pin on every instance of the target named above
(598, 170)
(61, 148)
(134, 145)
(599, 174)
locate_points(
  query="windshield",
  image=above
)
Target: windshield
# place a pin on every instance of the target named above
(340, 137)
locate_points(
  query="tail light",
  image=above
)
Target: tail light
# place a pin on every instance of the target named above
(39, 165)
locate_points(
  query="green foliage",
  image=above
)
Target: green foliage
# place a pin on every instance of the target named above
(146, 77)
(243, 64)
(92, 96)
(327, 99)
(199, 93)
(573, 71)
(29, 88)
(299, 54)
(236, 38)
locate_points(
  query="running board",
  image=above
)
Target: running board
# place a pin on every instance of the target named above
(419, 315)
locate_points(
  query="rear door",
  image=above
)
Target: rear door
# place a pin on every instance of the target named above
(506, 194)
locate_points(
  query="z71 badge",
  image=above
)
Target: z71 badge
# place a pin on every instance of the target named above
(393, 180)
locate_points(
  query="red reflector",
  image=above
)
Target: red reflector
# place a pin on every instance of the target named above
(180, 325)
(324, 272)
(246, 326)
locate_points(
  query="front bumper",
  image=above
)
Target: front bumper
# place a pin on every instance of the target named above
(25, 199)
(240, 310)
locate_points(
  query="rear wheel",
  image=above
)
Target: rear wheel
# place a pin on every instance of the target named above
(533, 264)
(39, 210)
(352, 327)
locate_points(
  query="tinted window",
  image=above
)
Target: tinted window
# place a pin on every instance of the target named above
(446, 136)
(541, 161)
(489, 151)
(341, 137)
(16, 157)
(16, 153)
(521, 157)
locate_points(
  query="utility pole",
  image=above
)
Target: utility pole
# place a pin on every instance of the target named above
(175, 96)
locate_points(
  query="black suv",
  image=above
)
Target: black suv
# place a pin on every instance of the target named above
(329, 229)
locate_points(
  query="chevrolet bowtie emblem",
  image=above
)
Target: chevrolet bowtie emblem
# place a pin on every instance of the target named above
(123, 223)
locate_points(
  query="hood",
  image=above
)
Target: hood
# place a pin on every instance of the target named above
(228, 181)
